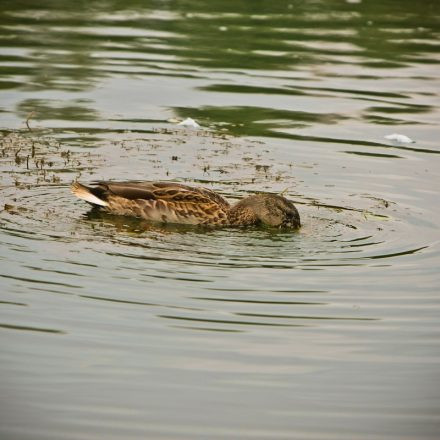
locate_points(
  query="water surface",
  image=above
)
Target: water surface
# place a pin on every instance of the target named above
(115, 328)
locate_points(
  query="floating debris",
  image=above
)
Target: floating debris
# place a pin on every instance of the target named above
(264, 168)
(189, 122)
(399, 138)
(30, 158)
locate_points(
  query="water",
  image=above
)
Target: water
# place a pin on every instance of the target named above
(115, 328)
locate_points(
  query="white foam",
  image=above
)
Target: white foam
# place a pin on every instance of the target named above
(189, 122)
(399, 138)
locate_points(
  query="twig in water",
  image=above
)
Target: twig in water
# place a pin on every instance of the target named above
(29, 116)
(284, 191)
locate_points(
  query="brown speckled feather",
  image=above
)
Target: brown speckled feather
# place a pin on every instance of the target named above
(167, 191)
(163, 202)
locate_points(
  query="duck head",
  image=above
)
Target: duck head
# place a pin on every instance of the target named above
(271, 209)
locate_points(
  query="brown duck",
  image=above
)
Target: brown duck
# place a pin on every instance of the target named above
(169, 202)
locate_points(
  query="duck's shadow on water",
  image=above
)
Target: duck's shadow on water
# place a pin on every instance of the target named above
(326, 238)
(99, 219)
(202, 246)
(133, 226)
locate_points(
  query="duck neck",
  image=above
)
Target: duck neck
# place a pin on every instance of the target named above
(242, 214)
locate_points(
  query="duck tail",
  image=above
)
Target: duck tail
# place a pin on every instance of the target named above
(85, 193)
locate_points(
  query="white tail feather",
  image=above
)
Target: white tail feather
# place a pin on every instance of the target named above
(82, 192)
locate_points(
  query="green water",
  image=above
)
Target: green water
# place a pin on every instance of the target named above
(113, 328)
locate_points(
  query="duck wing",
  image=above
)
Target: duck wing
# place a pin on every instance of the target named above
(157, 201)
(167, 191)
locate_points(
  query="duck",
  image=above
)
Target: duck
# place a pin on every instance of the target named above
(169, 202)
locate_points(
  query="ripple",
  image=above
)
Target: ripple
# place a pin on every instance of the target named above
(232, 322)
(31, 329)
(329, 234)
(36, 281)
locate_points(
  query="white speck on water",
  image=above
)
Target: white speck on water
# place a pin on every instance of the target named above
(399, 138)
(189, 122)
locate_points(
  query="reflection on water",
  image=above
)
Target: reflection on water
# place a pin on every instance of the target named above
(118, 328)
